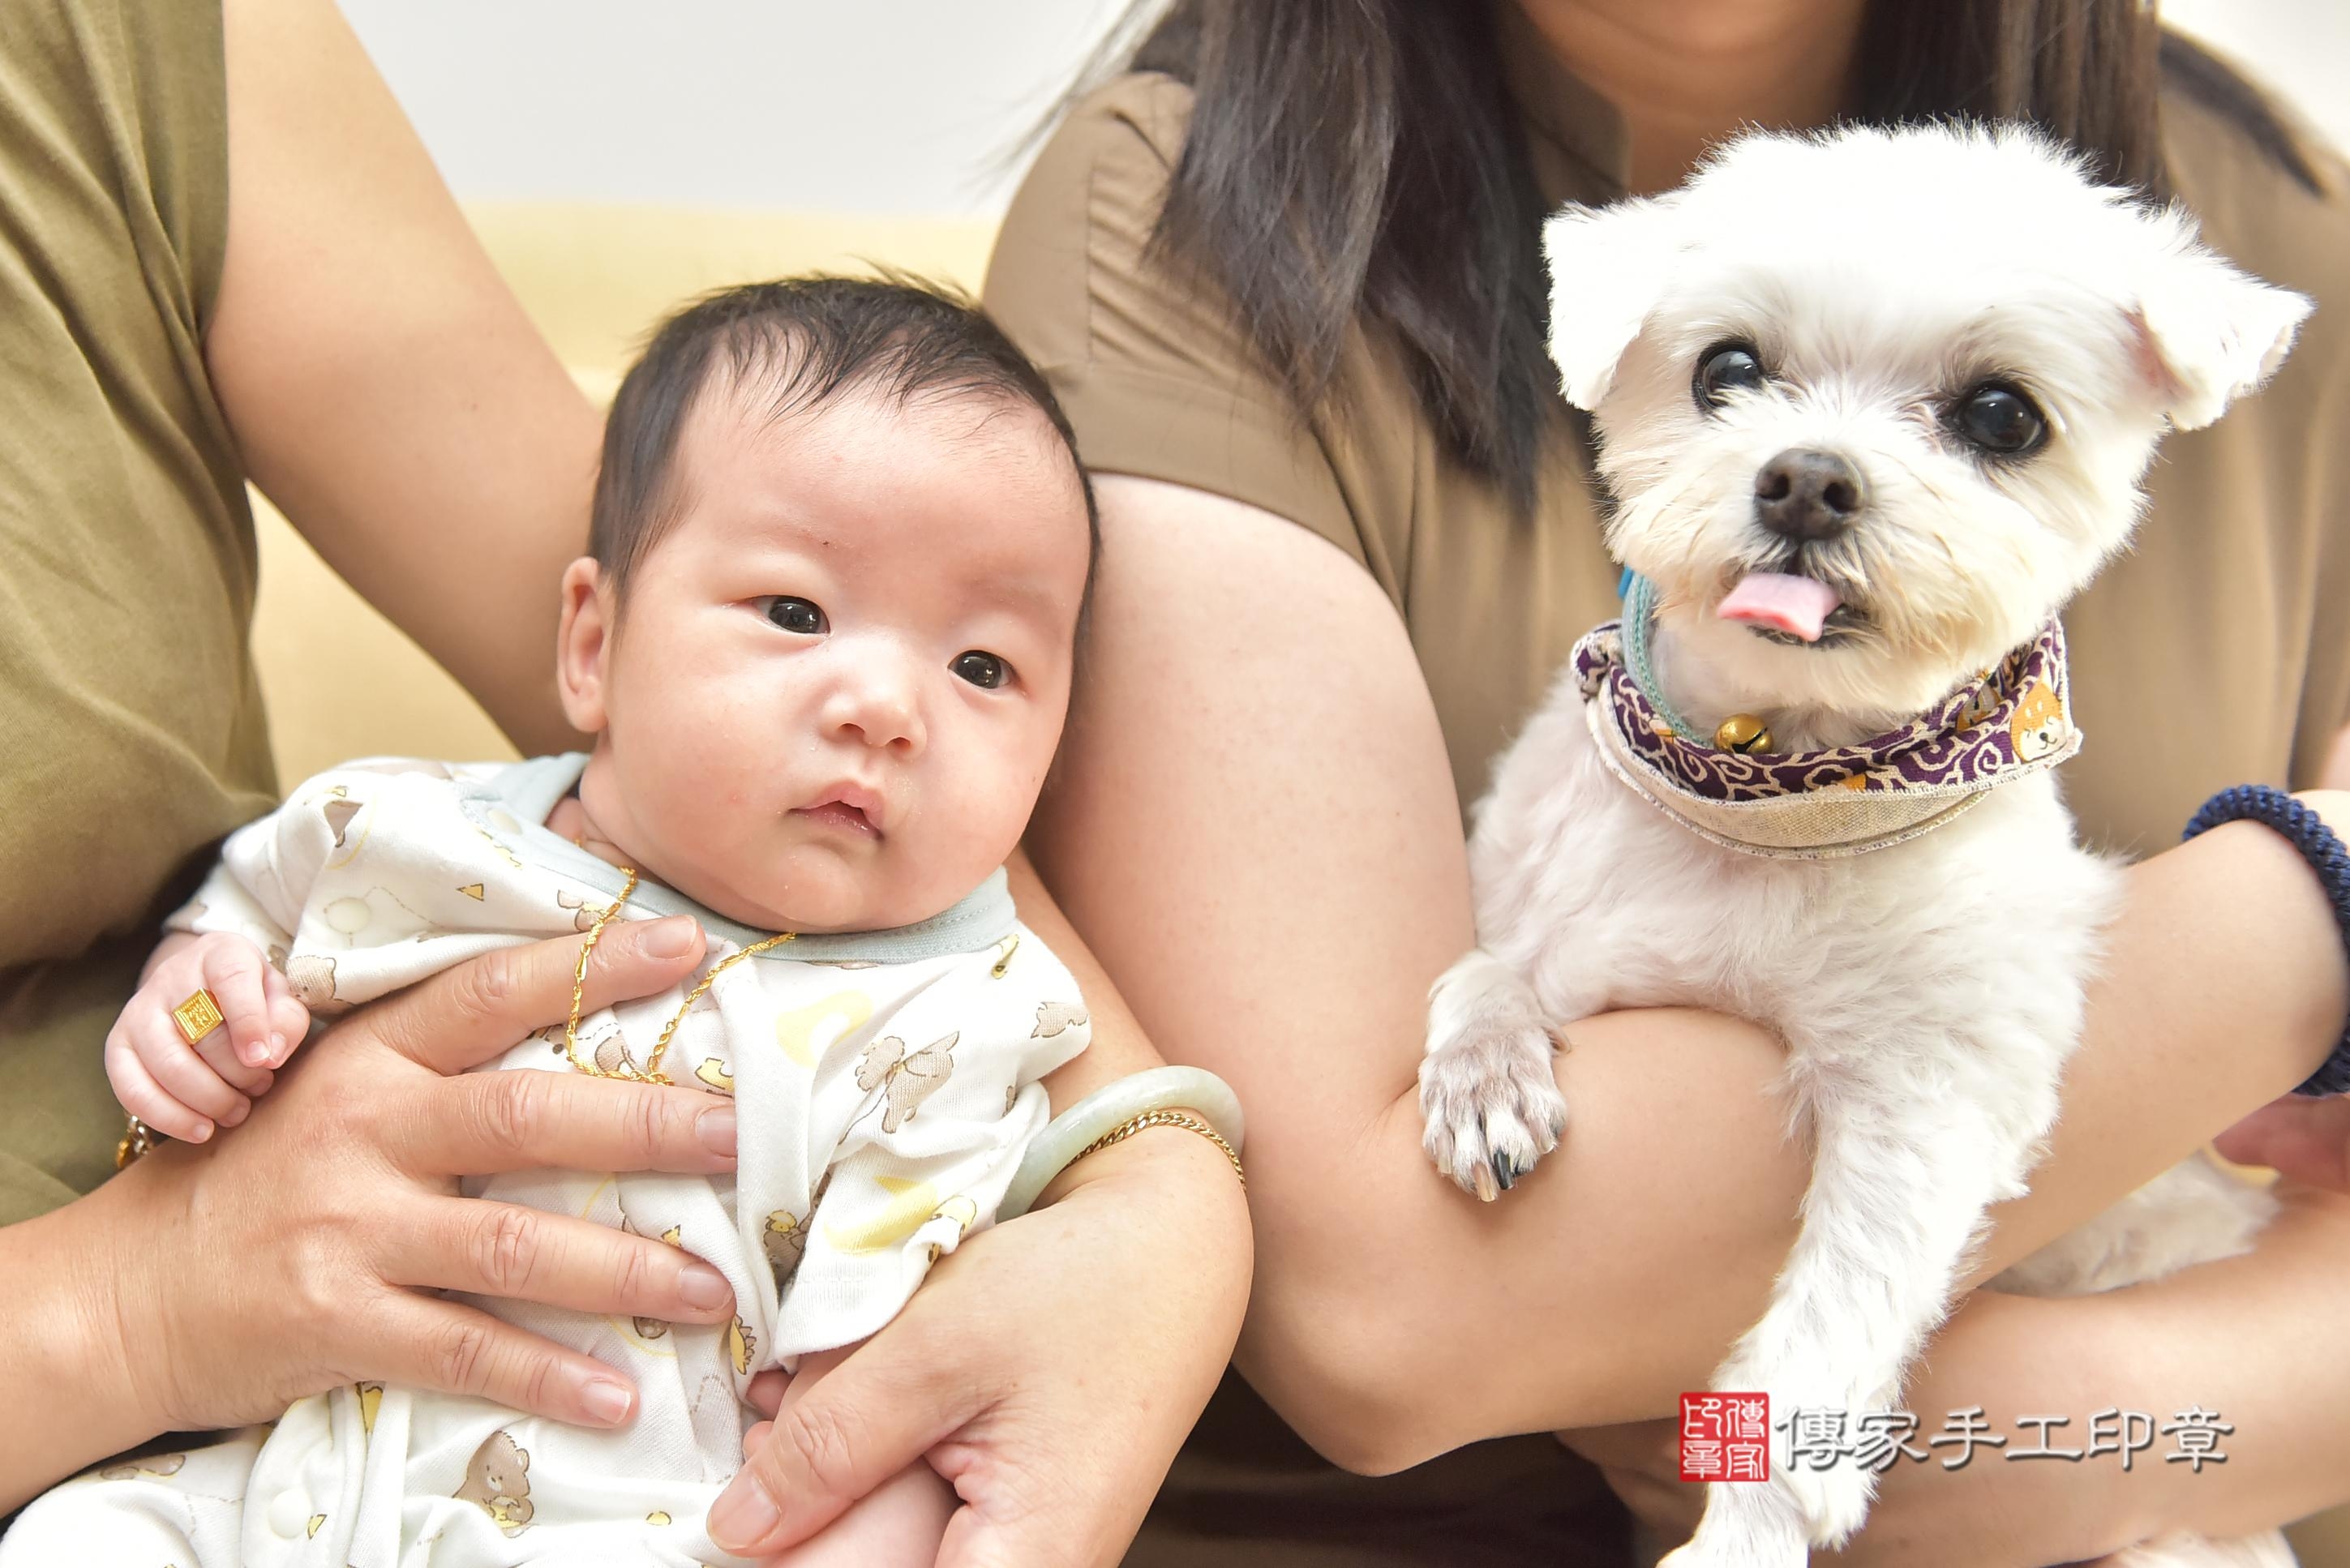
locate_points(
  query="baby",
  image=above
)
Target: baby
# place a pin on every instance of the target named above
(824, 640)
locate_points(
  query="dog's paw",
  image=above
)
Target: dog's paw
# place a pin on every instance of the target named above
(1833, 1502)
(1492, 1105)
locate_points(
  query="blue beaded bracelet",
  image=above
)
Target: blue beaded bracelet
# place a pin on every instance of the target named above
(2326, 854)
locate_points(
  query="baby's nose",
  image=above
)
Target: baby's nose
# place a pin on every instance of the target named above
(884, 714)
(1804, 495)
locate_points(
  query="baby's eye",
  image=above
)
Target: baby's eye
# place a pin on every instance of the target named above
(798, 615)
(981, 669)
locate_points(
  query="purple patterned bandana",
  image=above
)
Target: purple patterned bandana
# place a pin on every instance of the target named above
(2014, 720)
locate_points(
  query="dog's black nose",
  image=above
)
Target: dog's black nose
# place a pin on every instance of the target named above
(1806, 495)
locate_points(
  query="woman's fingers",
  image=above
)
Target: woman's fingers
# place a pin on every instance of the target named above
(455, 1349)
(464, 1016)
(1053, 1463)
(506, 1250)
(877, 1413)
(2306, 1140)
(486, 1123)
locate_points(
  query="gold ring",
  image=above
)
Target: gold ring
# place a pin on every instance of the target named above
(197, 1017)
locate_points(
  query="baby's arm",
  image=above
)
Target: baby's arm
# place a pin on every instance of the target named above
(185, 1091)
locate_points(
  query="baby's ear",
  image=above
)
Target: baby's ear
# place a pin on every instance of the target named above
(582, 642)
(2207, 333)
(1608, 270)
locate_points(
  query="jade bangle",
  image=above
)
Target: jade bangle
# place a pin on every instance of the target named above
(1084, 1124)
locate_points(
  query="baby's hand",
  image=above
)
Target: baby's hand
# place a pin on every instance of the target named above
(183, 1090)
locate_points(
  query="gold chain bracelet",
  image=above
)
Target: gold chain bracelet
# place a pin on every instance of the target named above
(138, 1138)
(1184, 1119)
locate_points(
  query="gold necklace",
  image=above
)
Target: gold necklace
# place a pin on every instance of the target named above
(652, 1072)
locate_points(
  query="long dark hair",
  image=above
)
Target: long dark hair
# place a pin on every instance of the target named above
(1352, 164)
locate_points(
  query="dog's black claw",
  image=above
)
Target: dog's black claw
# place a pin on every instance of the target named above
(1505, 1171)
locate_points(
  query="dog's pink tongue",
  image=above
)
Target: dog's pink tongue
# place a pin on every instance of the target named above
(1796, 605)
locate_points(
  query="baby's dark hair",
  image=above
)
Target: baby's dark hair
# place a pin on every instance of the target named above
(798, 344)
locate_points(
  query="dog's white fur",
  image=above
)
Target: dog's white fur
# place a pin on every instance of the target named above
(1930, 992)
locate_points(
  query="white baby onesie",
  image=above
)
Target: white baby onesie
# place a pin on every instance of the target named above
(887, 1085)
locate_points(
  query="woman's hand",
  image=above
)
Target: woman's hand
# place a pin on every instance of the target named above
(1048, 1368)
(2304, 1140)
(237, 1276)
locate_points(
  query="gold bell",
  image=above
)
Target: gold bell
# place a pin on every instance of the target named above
(1742, 733)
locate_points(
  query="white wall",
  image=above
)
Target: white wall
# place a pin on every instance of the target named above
(878, 105)
(848, 106)
(2300, 47)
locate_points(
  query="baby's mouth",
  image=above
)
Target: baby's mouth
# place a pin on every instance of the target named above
(833, 813)
(1784, 608)
(850, 808)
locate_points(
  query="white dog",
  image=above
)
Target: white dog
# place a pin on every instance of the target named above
(1874, 406)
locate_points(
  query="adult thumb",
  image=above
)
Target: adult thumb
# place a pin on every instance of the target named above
(860, 1424)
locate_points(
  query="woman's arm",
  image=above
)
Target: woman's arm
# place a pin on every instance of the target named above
(1255, 830)
(384, 388)
(211, 1285)
(2248, 1338)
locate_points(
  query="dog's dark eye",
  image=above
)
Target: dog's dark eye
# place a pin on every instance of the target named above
(797, 615)
(2000, 419)
(1724, 368)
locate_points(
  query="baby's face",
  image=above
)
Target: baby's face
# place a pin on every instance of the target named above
(838, 678)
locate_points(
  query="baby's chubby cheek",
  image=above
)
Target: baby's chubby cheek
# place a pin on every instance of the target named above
(951, 846)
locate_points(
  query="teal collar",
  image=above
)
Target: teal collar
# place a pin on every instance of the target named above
(1639, 595)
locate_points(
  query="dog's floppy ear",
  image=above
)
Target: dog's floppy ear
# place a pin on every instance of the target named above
(1607, 268)
(2207, 334)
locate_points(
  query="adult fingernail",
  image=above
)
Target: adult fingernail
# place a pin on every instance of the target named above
(253, 1052)
(605, 1402)
(743, 1515)
(670, 937)
(715, 1127)
(703, 1288)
